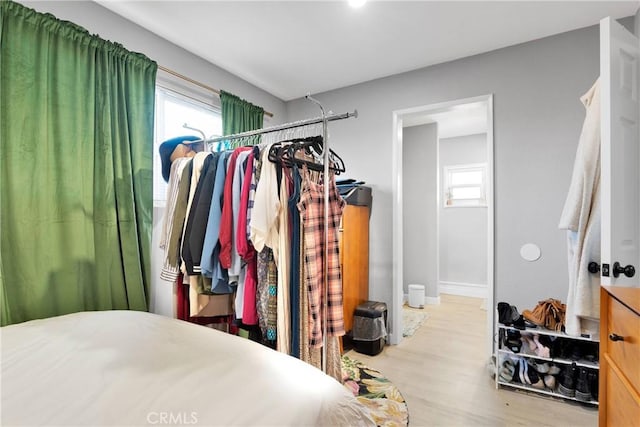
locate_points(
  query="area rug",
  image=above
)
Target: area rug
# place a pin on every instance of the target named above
(412, 320)
(373, 390)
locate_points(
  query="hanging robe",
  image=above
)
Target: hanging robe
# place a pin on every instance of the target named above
(581, 218)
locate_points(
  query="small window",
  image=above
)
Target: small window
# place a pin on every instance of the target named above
(465, 185)
(173, 110)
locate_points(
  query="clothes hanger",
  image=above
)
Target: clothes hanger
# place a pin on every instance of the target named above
(284, 153)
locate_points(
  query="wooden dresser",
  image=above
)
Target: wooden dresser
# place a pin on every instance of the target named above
(354, 259)
(619, 356)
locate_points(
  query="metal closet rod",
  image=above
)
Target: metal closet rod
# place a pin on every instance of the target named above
(329, 118)
(197, 83)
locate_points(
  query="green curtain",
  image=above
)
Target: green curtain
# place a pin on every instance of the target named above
(76, 150)
(239, 115)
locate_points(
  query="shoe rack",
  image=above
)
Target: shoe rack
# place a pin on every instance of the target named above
(575, 360)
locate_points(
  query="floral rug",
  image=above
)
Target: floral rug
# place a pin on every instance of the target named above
(372, 389)
(412, 320)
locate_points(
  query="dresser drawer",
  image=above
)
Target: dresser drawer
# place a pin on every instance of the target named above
(623, 407)
(624, 353)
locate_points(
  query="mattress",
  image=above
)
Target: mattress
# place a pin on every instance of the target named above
(136, 368)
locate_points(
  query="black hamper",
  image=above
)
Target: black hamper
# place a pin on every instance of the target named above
(370, 327)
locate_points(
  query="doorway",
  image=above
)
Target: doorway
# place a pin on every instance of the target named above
(468, 122)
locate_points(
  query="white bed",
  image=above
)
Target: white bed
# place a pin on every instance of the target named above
(136, 368)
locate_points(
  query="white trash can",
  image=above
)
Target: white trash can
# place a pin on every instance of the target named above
(416, 296)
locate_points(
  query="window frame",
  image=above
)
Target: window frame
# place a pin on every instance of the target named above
(180, 96)
(479, 202)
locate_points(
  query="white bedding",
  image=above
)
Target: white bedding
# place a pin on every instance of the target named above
(135, 368)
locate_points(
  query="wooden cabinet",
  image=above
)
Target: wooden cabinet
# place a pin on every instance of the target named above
(354, 259)
(619, 356)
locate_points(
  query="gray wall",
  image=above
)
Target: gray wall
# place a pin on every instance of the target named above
(537, 122)
(419, 225)
(463, 230)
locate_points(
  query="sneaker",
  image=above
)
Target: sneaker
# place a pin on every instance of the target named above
(583, 386)
(516, 371)
(567, 386)
(507, 370)
(522, 370)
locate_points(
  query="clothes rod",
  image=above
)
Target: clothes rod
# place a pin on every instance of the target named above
(329, 118)
(197, 83)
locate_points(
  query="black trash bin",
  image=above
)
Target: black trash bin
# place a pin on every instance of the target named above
(370, 327)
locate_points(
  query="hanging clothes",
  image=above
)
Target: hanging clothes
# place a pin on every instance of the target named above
(311, 208)
(284, 261)
(294, 280)
(252, 226)
(267, 303)
(201, 162)
(170, 269)
(201, 216)
(581, 218)
(210, 264)
(245, 248)
(197, 300)
(266, 207)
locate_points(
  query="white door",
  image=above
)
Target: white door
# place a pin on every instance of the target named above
(620, 151)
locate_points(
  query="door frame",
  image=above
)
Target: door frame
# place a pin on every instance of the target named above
(397, 171)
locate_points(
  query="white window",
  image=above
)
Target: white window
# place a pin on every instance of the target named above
(173, 110)
(465, 185)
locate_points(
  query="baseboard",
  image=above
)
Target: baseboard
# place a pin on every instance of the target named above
(427, 300)
(463, 289)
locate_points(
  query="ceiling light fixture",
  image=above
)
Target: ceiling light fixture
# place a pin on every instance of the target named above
(357, 3)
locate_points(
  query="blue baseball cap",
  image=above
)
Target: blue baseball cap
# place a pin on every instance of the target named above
(167, 147)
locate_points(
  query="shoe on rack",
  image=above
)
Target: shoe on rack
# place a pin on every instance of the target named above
(540, 367)
(593, 381)
(537, 316)
(512, 340)
(504, 313)
(583, 386)
(507, 370)
(549, 314)
(567, 386)
(532, 377)
(553, 369)
(522, 370)
(529, 346)
(516, 370)
(550, 382)
(576, 352)
(519, 323)
(507, 313)
(541, 350)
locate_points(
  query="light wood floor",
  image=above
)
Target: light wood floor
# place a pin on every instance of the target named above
(441, 372)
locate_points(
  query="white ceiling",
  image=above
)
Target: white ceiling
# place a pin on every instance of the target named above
(291, 48)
